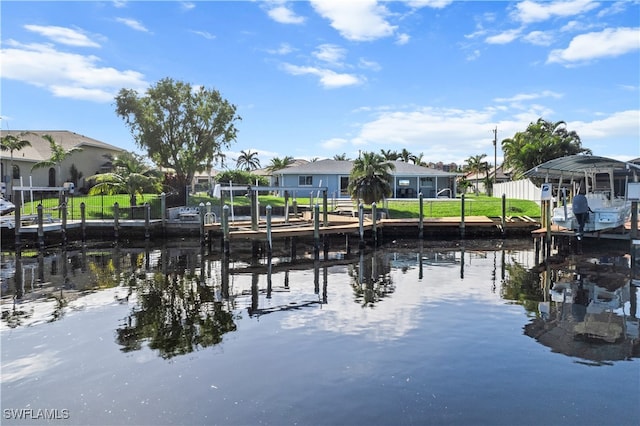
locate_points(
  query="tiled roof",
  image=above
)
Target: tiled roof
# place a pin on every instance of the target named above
(40, 150)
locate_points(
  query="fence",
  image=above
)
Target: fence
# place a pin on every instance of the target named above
(96, 207)
(522, 189)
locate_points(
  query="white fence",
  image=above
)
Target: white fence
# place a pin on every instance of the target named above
(519, 189)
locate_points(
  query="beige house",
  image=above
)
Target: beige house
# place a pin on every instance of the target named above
(92, 159)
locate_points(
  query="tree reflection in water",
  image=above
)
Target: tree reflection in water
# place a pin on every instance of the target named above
(371, 279)
(175, 314)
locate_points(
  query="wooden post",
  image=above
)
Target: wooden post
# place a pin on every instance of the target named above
(325, 208)
(504, 215)
(421, 215)
(17, 197)
(374, 228)
(147, 220)
(316, 229)
(295, 208)
(634, 219)
(116, 219)
(255, 213)
(63, 207)
(286, 207)
(40, 227)
(269, 245)
(225, 229)
(361, 224)
(83, 221)
(462, 215)
(201, 211)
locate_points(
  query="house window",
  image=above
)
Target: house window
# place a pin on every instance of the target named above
(403, 182)
(427, 182)
(16, 171)
(305, 180)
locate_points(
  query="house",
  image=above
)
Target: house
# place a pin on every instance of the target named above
(409, 180)
(92, 159)
(479, 179)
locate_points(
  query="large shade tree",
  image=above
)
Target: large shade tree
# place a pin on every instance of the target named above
(182, 127)
(541, 142)
(13, 143)
(58, 155)
(130, 175)
(370, 178)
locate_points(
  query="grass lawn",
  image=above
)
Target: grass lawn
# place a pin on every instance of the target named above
(98, 207)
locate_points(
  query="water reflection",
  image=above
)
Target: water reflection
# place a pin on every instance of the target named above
(183, 299)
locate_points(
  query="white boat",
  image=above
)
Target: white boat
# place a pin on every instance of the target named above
(6, 206)
(605, 213)
(605, 181)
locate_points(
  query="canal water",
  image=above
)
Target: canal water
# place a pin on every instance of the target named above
(419, 333)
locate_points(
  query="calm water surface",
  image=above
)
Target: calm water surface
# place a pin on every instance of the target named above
(463, 333)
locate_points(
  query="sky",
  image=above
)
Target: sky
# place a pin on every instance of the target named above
(320, 78)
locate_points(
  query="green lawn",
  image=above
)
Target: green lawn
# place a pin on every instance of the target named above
(97, 207)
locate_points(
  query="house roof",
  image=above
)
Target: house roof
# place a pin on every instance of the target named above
(575, 166)
(343, 167)
(40, 150)
(266, 172)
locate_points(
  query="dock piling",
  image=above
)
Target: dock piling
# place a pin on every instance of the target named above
(462, 216)
(83, 221)
(40, 226)
(421, 221)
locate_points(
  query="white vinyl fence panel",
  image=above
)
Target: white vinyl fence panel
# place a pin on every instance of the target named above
(519, 189)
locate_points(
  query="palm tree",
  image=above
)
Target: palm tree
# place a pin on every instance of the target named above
(280, 163)
(541, 142)
(58, 155)
(13, 143)
(389, 155)
(370, 178)
(475, 164)
(341, 157)
(407, 156)
(248, 160)
(130, 176)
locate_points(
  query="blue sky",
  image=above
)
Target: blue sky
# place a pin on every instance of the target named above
(313, 79)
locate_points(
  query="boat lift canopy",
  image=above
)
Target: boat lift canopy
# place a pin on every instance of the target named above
(575, 166)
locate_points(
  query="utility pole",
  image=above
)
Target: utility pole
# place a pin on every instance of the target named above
(495, 155)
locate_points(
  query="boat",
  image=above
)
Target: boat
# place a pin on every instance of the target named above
(605, 182)
(6, 206)
(606, 213)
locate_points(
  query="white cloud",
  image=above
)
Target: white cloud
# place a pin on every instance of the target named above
(530, 96)
(328, 78)
(619, 124)
(330, 53)
(284, 15)
(435, 4)
(473, 55)
(63, 35)
(371, 65)
(283, 49)
(334, 144)
(504, 37)
(204, 34)
(187, 5)
(402, 39)
(529, 11)
(610, 42)
(66, 74)
(133, 24)
(539, 38)
(362, 20)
